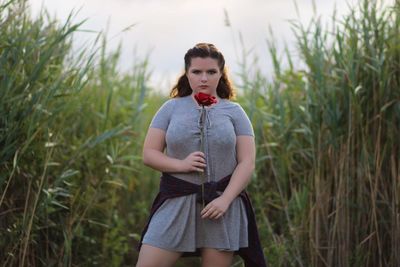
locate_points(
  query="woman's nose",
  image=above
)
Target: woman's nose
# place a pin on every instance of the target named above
(204, 77)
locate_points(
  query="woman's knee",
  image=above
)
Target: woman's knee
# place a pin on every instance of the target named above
(150, 256)
(217, 258)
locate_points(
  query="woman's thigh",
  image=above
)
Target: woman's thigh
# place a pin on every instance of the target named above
(216, 258)
(150, 256)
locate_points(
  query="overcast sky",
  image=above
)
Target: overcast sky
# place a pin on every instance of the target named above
(167, 29)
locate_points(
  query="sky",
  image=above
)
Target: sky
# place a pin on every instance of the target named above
(165, 30)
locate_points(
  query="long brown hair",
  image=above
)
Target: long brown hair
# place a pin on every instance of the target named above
(203, 50)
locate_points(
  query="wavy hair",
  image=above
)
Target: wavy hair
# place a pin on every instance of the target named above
(203, 50)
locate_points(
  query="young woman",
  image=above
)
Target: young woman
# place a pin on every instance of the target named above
(209, 159)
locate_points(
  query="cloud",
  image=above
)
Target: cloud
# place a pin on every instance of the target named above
(169, 28)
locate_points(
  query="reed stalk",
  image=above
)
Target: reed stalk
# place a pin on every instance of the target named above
(73, 190)
(326, 138)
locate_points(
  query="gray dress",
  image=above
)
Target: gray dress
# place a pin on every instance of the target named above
(177, 224)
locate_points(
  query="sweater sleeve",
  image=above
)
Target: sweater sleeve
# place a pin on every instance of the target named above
(241, 122)
(163, 116)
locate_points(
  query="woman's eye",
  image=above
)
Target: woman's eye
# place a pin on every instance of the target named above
(196, 71)
(212, 72)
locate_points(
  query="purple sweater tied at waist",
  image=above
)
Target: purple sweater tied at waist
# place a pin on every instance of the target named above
(171, 187)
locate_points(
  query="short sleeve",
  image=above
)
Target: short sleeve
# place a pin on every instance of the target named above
(241, 122)
(163, 116)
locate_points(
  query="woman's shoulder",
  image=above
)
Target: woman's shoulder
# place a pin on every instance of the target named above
(175, 103)
(235, 109)
(226, 103)
(167, 106)
(170, 102)
(174, 100)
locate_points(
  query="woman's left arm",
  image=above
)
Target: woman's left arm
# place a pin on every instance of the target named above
(246, 157)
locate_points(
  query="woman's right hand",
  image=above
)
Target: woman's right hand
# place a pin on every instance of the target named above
(195, 161)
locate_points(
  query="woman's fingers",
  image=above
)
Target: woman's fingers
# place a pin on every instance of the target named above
(199, 164)
(198, 158)
(211, 213)
(197, 169)
(198, 161)
(215, 209)
(198, 153)
(195, 161)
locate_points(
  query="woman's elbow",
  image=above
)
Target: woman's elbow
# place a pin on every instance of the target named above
(146, 157)
(252, 165)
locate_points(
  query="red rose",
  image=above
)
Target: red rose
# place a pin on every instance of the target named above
(205, 99)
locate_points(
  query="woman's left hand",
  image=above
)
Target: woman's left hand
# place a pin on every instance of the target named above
(215, 209)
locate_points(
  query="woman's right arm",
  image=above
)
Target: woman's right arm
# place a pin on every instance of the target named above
(154, 157)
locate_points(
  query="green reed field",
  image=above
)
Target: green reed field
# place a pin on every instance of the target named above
(326, 190)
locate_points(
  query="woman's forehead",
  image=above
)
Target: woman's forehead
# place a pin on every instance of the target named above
(207, 62)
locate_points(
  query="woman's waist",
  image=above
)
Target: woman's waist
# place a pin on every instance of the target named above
(171, 186)
(198, 178)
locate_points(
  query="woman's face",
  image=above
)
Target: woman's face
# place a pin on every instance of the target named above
(203, 75)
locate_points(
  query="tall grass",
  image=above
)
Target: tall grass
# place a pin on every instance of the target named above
(73, 190)
(328, 143)
(70, 133)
